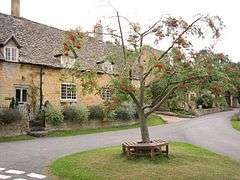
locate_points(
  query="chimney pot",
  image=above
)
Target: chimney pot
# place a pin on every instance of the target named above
(15, 8)
(98, 30)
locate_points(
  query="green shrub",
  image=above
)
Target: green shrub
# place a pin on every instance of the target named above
(39, 120)
(126, 111)
(221, 101)
(76, 113)
(110, 114)
(238, 97)
(121, 114)
(13, 104)
(206, 100)
(8, 116)
(52, 115)
(96, 112)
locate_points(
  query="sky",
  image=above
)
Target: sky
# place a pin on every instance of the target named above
(66, 14)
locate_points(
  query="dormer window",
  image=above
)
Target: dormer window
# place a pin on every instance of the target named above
(107, 67)
(11, 53)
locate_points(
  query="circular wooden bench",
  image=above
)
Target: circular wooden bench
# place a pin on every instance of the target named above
(155, 147)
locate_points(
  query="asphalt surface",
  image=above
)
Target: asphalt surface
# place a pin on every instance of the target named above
(213, 132)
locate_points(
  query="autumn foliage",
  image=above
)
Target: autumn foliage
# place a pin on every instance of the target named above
(179, 66)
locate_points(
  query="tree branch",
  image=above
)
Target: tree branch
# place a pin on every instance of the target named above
(130, 23)
(160, 98)
(146, 32)
(154, 108)
(122, 39)
(172, 45)
(135, 100)
(107, 34)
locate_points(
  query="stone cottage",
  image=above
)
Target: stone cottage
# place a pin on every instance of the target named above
(31, 56)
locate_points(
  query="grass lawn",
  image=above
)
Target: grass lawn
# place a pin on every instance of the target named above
(152, 121)
(236, 122)
(15, 138)
(185, 162)
(236, 125)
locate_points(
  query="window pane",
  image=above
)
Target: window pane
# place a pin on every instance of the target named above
(73, 91)
(18, 95)
(106, 94)
(63, 91)
(14, 54)
(24, 95)
(8, 54)
(69, 95)
(68, 91)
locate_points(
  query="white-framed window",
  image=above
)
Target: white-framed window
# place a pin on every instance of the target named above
(21, 94)
(107, 67)
(106, 94)
(11, 53)
(68, 91)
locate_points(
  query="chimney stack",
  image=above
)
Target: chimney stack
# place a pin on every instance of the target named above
(98, 30)
(15, 11)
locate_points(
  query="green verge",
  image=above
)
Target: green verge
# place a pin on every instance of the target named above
(236, 122)
(152, 121)
(185, 162)
(236, 125)
(15, 138)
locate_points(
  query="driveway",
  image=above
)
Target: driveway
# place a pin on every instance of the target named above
(213, 132)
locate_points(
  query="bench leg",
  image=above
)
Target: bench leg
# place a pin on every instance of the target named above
(123, 149)
(128, 153)
(167, 150)
(152, 153)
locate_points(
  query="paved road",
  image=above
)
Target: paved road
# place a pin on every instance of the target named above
(213, 132)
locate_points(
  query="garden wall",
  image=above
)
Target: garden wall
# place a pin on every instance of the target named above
(201, 112)
(90, 124)
(13, 129)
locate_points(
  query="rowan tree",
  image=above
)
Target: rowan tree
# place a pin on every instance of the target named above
(174, 68)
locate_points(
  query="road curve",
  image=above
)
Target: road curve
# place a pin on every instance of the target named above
(213, 132)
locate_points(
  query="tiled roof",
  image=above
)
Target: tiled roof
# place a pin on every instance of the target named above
(1, 55)
(41, 43)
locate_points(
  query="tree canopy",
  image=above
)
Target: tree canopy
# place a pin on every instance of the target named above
(179, 67)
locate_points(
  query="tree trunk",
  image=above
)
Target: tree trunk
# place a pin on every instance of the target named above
(144, 127)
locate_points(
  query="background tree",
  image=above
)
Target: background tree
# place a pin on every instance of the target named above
(174, 67)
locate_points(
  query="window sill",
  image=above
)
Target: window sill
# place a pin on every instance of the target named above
(68, 100)
(13, 61)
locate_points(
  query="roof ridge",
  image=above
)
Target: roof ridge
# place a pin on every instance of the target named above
(25, 19)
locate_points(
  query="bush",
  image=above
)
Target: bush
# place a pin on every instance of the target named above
(96, 112)
(206, 100)
(126, 111)
(122, 114)
(221, 101)
(110, 114)
(75, 113)
(238, 97)
(52, 115)
(13, 104)
(8, 116)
